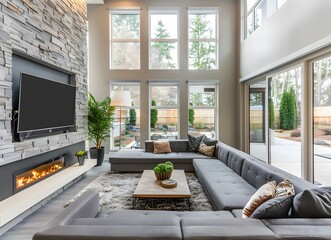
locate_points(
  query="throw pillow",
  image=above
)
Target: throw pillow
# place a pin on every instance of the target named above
(274, 208)
(285, 188)
(194, 142)
(162, 147)
(209, 141)
(206, 150)
(312, 203)
(263, 194)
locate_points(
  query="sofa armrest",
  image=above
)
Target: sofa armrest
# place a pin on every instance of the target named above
(86, 206)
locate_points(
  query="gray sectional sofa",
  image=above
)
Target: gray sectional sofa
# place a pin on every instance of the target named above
(229, 179)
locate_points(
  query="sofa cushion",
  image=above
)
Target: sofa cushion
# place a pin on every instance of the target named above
(218, 228)
(255, 174)
(206, 150)
(209, 141)
(313, 203)
(300, 228)
(225, 188)
(161, 147)
(263, 194)
(194, 142)
(235, 162)
(274, 208)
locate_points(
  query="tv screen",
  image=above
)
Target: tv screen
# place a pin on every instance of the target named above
(45, 104)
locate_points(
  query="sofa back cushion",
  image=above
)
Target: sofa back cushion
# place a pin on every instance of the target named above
(255, 174)
(235, 161)
(222, 152)
(175, 145)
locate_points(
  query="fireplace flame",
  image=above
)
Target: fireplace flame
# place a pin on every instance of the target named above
(38, 173)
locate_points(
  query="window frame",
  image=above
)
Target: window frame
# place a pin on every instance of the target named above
(123, 40)
(170, 107)
(163, 11)
(216, 104)
(197, 11)
(252, 10)
(113, 84)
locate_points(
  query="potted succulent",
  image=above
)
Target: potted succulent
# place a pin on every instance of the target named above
(100, 119)
(81, 155)
(163, 170)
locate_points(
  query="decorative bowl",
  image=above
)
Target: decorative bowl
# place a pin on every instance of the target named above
(163, 175)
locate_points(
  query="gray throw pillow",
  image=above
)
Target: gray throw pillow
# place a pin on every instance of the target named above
(274, 208)
(209, 141)
(313, 203)
(194, 142)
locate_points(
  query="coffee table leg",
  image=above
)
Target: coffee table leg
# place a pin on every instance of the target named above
(189, 204)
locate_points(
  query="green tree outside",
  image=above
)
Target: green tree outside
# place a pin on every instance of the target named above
(288, 110)
(154, 114)
(201, 54)
(133, 117)
(162, 59)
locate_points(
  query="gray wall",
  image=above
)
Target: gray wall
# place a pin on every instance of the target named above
(52, 33)
(289, 32)
(100, 74)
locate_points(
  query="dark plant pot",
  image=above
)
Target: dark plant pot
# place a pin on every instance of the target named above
(99, 154)
(81, 160)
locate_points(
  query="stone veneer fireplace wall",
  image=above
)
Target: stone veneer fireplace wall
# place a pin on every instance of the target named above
(53, 33)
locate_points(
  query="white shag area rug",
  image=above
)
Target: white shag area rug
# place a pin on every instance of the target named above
(116, 193)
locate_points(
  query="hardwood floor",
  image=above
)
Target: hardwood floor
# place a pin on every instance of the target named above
(26, 228)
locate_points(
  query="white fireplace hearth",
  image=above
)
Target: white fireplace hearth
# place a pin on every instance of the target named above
(22, 204)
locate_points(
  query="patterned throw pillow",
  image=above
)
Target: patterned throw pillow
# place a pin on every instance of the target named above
(206, 150)
(194, 142)
(263, 194)
(285, 188)
(162, 147)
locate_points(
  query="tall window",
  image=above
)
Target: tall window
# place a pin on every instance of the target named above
(257, 11)
(124, 39)
(164, 111)
(322, 120)
(203, 39)
(163, 36)
(203, 109)
(285, 100)
(129, 137)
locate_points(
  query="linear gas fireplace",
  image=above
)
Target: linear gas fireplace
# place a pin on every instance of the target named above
(27, 177)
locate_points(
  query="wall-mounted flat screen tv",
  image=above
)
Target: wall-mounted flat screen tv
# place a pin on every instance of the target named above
(45, 104)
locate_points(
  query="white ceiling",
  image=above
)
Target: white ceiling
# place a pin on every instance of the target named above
(95, 1)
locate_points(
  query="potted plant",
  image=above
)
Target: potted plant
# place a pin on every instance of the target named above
(81, 157)
(163, 170)
(100, 119)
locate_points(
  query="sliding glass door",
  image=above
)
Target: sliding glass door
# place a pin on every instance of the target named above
(322, 120)
(285, 120)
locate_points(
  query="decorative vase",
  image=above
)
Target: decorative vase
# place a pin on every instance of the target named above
(163, 175)
(99, 154)
(81, 160)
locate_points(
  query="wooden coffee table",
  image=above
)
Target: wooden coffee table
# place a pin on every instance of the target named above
(150, 188)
